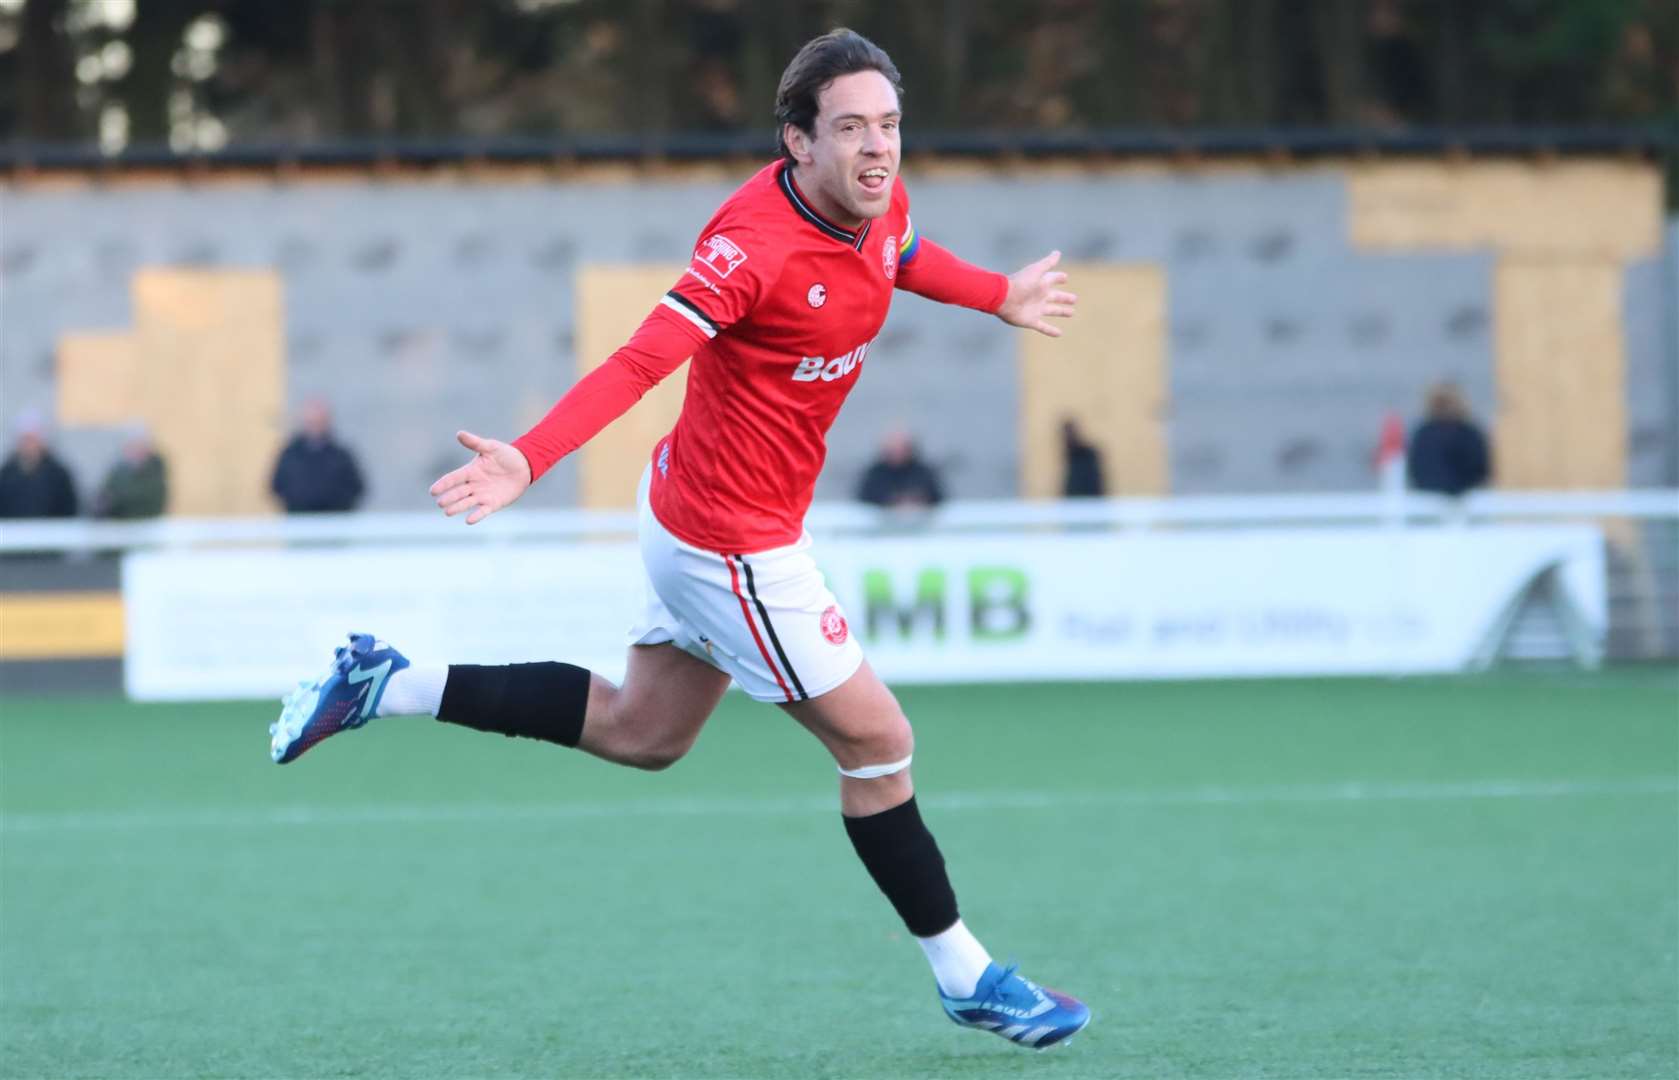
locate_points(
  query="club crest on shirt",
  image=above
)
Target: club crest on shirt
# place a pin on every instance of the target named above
(719, 254)
(889, 257)
(818, 295)
(833, 626)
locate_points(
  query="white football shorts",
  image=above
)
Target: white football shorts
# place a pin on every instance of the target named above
(767, 619)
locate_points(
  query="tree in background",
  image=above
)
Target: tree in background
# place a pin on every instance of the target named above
(198, 74)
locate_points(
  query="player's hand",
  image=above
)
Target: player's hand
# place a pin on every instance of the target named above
(1035, 294)
(494, 478)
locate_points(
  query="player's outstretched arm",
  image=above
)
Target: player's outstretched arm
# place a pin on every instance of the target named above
(1035, 294)
(500, 472)
(496, 476)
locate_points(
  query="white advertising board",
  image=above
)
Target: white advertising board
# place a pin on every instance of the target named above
(936, 608)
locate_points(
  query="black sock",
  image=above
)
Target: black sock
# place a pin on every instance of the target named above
(535, 701)
(904, 861)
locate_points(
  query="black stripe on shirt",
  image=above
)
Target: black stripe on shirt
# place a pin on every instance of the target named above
(691, 306)
(792, 193)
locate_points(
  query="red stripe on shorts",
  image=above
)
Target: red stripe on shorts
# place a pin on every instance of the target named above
(746, 612)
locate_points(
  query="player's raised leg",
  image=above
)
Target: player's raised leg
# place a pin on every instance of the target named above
(653, 719)
(866, 731)
(649, 722)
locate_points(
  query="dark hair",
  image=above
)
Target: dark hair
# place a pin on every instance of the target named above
(1446, 402)
(820, 62)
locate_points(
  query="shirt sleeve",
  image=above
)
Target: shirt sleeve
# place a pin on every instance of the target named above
(926, 269)
(656, 349)
(732, 268)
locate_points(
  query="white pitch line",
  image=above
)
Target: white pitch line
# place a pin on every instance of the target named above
(446, 813)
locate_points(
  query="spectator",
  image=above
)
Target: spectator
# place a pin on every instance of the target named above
(315, 473)
(1398, 68)
(34, 483)
(1083, 478)
(1448, 452)
(137, 485)
(899, 478)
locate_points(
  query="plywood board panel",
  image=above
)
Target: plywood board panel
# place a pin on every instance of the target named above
(1108, 372)
(212, 372)
(611, 302)
(1560, 361)
(98, 379)
(1610, 210)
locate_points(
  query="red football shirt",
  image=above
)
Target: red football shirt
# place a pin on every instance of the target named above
(782, 305)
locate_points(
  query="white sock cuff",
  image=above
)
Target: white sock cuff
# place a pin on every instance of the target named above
(414, 691)
(957, 958)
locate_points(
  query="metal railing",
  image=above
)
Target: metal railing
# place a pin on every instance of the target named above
(1641, 528)
(1651, 140)
(977, 515)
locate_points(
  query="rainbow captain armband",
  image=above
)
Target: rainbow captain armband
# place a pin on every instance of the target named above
(910, 244)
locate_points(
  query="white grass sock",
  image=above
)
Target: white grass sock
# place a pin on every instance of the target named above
(958, 960)
(414, 691)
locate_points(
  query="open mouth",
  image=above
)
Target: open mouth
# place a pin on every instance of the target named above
(874, 180)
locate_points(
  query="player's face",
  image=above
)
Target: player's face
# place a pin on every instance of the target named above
(849, 162)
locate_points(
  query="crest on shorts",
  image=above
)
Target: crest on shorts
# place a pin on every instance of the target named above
(833, 626)
(889, 257)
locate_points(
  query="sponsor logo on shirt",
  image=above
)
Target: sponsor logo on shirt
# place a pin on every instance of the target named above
(719, 254)
(812, 368)
(664, 459)
(889, 257)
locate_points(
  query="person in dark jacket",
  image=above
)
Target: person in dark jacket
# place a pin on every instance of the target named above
(315, 473)
(1083, 477)
(1448, 452)
(137, 485)
(34, 483)
(899, 478)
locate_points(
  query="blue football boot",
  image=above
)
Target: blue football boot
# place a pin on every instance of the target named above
(1018, 1009)
(346, 697)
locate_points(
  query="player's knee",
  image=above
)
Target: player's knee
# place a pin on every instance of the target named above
(895, 741)
(881, 749)
(656, 755)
